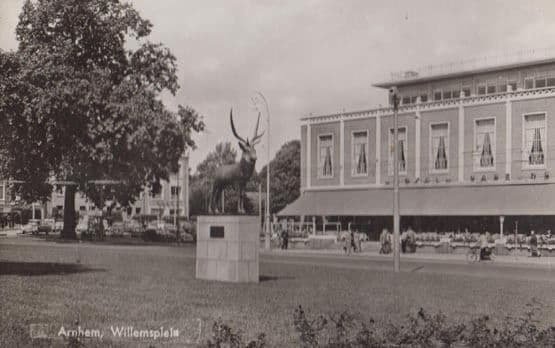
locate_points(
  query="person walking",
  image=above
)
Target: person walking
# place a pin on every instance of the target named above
(353, 241)
(385, 241)
(286, 238)
(347, 243)
(534, 244)
(411, 240)
(404, 241)
(484, 246)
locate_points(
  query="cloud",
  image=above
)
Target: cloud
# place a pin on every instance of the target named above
(315, 56)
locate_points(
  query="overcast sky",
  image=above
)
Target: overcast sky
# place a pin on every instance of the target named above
(315, 56)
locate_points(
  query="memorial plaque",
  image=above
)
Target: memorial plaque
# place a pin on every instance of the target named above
(216, 232)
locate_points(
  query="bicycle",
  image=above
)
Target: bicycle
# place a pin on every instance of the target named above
(473, 254)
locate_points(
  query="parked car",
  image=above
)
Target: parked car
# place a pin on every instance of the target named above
(31, 227)
(82, 227)
(45, 226)
(160, 231)
(133, 227)
(58, 226)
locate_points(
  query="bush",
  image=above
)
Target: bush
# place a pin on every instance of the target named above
(225, 336)
(421, 329)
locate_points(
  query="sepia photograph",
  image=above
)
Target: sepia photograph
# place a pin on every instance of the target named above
(264, 173)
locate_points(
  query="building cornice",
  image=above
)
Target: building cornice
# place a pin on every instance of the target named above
(429, 185)
(513, 96)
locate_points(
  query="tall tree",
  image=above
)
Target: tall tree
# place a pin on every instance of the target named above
(285, 176)
(77, 104)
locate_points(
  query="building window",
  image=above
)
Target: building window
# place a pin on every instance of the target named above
(466, 91)
(481, 90)
(484, 144)
(540, 82)
(137, 211)
(512, 84)
(360, 154)
(491, 89)
(502, 88)
(437, 95)
(157, 195)
(423, 98)
(439, 139)
(550, 81)
(534, 141)
(175, 191)
(325, 157)
(82, 208)
(406, 100)
(402, 148)
(447, 95)
(528, 83)
(456, 94)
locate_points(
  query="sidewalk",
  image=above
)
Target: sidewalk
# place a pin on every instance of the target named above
(10, 232)
(547, 262)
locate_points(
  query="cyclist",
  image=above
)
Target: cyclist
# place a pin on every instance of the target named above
(485, 252)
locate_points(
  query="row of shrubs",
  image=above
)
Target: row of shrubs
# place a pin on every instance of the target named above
(419, 330)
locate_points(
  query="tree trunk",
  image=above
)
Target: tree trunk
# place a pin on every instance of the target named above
(69, 213)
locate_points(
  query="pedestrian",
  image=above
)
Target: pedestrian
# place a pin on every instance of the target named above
(534, 245)
(286, 238)
(467, 236)
(347, 243)
(353, 241)
(484, 246)
(359, 242)
(404, 241)
(385, 241)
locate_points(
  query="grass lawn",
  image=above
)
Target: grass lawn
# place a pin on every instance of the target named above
(151, 286)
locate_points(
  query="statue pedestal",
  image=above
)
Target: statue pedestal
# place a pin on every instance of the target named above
(227, 248)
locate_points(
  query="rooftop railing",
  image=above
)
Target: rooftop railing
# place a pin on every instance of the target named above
(521, 56)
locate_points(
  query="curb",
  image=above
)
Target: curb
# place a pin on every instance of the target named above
(543, 262)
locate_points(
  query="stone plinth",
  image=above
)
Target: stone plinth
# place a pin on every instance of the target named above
(227, 248)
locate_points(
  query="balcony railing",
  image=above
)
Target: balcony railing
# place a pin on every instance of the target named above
(435, 105)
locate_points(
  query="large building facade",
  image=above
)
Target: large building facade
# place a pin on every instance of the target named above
(476, 150)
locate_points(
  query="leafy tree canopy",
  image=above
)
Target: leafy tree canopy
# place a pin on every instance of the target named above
(77, 104)
(285, 176)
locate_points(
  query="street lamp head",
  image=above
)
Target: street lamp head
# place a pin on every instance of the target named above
(394, 96)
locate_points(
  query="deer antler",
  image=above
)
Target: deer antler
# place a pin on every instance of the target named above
(256, 137)
(233, 128)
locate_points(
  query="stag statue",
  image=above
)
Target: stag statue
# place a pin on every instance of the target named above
(237, 173)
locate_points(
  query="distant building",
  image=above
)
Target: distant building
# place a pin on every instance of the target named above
(476, 150)
(171, 201)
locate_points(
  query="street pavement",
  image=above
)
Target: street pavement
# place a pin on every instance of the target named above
(509, 267)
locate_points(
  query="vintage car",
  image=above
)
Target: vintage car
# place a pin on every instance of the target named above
(31, 227)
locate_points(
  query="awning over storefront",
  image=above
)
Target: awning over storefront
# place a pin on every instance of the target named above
(476, 200)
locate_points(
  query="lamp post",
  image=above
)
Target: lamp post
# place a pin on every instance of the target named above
(267, 212)
(394, 100)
